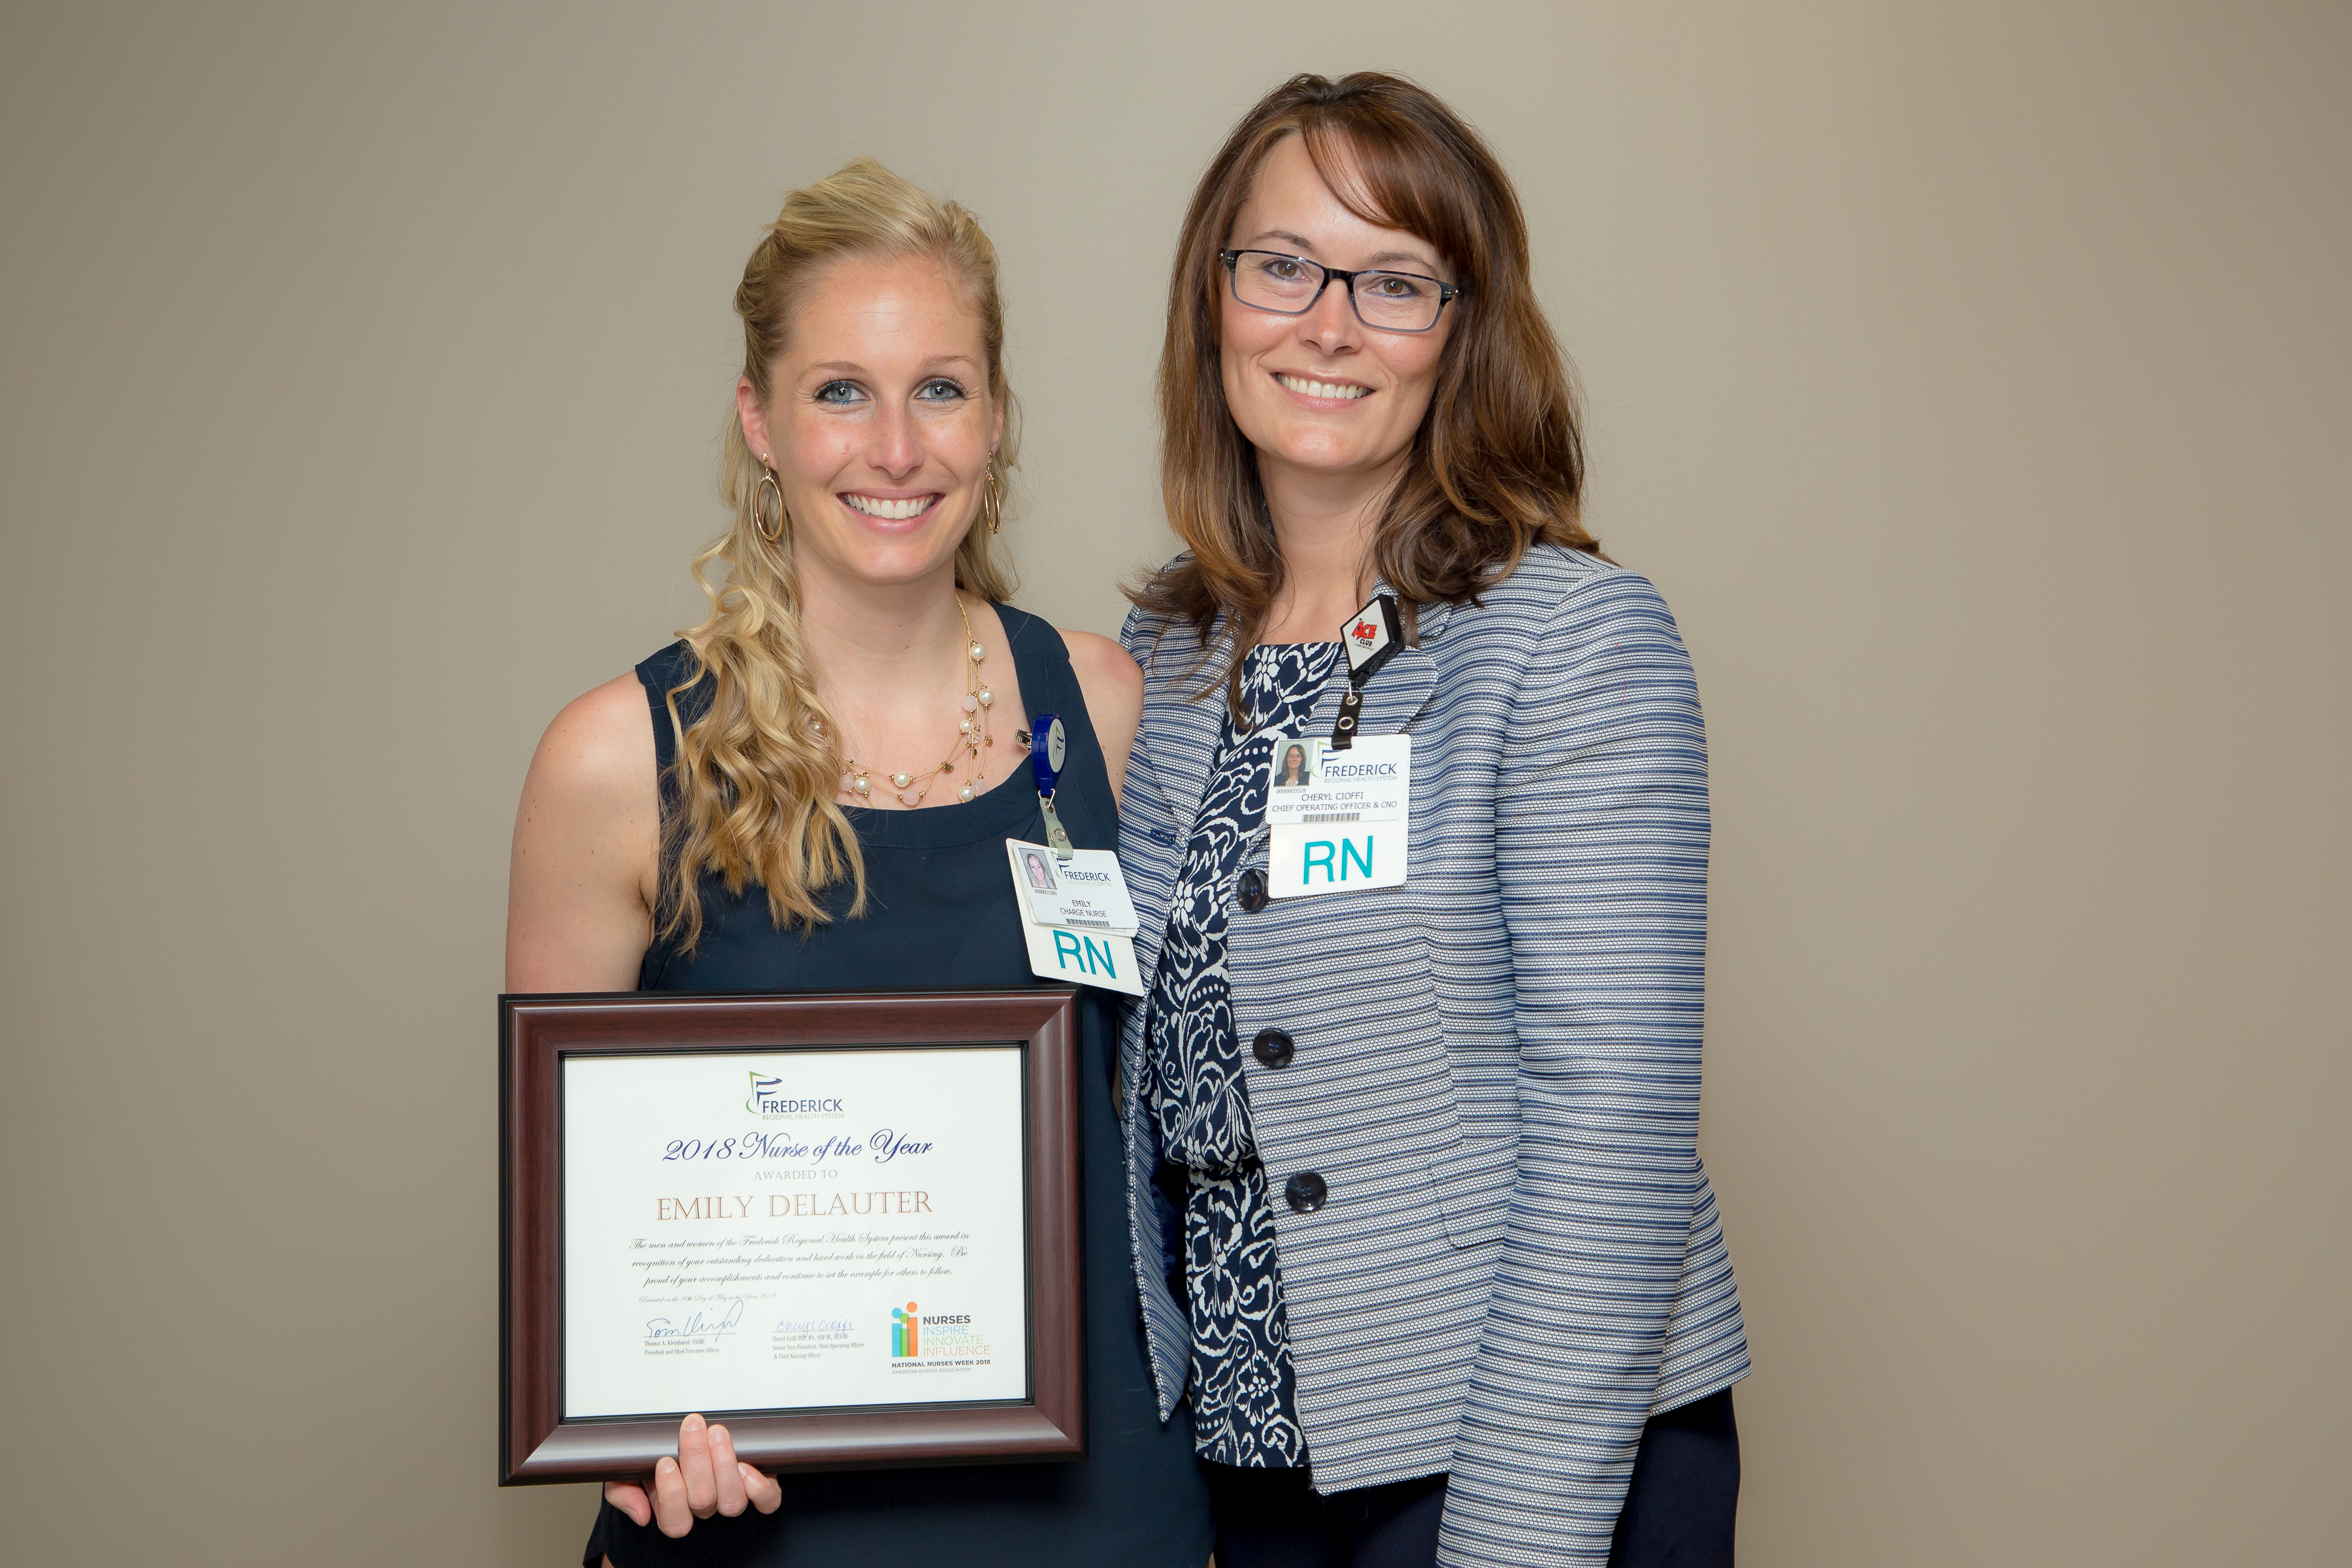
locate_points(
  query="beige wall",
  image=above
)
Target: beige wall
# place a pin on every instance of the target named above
(1972, 378)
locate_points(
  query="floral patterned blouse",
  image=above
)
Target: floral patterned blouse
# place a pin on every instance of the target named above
(1244, 1406)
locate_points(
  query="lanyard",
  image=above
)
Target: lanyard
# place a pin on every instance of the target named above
(1371, 637)
(1047, 750)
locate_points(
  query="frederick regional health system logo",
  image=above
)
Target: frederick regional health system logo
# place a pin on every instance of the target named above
(768, 1102)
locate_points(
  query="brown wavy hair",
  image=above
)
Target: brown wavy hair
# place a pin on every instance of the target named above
(1498, 462)
(752, 791)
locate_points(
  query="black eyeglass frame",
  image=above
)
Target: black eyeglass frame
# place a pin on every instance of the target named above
(1446, 292)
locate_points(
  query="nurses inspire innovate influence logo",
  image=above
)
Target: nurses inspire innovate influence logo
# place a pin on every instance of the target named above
(950, 1334)
(770, 1103)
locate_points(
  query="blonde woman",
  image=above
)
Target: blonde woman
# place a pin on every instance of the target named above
(812, 790)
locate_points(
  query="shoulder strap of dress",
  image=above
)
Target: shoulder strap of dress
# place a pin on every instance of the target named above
(1039, 659)
(660, 675)
(1049, 684)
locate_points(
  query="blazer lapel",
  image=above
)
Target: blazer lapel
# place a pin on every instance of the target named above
(1180, 722)
(1395, 697)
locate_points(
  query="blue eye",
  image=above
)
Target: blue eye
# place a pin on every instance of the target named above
(938, 389)
(837, 392)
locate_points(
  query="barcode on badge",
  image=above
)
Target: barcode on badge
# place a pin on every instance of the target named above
(1308, 816)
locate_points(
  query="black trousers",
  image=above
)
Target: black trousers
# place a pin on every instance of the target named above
(1678, 1512)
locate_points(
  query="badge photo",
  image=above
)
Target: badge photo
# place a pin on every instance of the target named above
(1294, 764)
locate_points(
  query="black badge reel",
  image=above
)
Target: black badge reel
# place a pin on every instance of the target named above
(1371, 637)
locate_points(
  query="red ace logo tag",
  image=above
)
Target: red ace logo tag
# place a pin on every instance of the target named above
(1368, 634)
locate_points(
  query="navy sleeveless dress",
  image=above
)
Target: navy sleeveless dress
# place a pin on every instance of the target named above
(941, 913)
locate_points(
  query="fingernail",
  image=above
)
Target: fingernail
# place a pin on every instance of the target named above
(716, 1431)
(665, 1465)
(693, 1421)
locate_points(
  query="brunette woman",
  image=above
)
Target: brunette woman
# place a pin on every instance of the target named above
(812, 790)
(1420, 1219)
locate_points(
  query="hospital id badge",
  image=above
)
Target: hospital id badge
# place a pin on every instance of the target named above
(1339, 819)
(1086, 889)
(1314, 783)
(1076, 916)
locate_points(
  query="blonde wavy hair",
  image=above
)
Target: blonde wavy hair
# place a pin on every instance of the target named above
(750, 794)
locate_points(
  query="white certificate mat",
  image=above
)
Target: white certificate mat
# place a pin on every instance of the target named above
(793, 1229)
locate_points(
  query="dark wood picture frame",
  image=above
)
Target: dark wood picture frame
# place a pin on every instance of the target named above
(536, 1033)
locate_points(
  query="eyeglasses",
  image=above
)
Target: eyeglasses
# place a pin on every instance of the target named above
(1290, 286)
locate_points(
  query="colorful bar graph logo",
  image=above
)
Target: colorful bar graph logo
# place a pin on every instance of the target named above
(902, 1333)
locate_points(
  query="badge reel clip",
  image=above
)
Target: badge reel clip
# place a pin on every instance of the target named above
(1047, 750)
(1371, 637)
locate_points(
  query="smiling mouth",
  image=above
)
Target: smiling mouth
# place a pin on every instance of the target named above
(1343, 390)
(888, 510)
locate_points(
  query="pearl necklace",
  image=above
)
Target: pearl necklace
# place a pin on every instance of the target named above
(971, 734)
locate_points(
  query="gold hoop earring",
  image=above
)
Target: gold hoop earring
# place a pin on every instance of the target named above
(992, 501)
(770, 525)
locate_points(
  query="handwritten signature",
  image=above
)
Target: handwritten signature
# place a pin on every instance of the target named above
(663, 1329)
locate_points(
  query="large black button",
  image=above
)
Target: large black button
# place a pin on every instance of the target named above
(1306, 1192)
(1274, 1047)
(1253, 890)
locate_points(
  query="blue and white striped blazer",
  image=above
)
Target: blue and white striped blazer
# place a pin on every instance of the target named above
(1497, 1063)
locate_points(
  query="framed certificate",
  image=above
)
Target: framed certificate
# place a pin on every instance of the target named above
(846, 1225)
